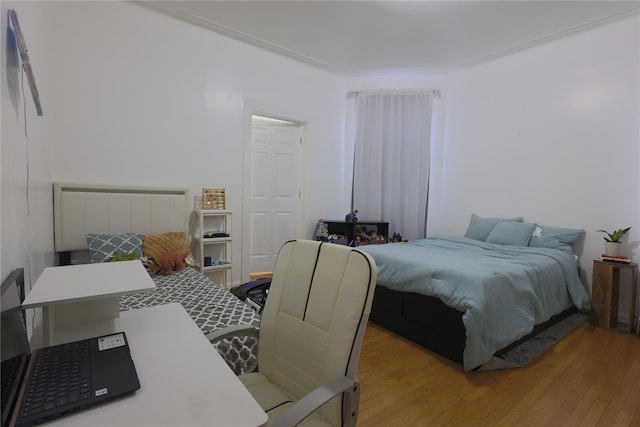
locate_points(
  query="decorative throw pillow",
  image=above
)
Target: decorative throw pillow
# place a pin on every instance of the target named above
(103, 247)
(479, 228)
(155, 245)
(550, 243)
(511, 233)
(556, 237)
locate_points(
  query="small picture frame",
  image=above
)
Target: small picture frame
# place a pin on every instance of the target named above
(213, 198)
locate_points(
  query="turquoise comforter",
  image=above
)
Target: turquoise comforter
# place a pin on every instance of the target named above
(502, 290)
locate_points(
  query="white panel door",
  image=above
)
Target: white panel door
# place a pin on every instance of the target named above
(275, 192)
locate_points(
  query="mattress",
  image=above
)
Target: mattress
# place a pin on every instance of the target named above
(210, 306)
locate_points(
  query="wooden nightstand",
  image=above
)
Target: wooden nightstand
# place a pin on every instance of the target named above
(605, 291)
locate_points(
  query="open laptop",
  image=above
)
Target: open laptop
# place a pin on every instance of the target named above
(53, 381)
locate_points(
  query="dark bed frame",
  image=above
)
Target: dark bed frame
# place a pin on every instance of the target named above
(427, 321)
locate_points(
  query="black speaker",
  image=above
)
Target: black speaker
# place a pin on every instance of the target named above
(207, 261)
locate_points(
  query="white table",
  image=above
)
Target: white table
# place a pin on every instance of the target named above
(183, 379)
(75, 294)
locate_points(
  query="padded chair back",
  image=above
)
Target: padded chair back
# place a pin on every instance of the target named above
(314, 319)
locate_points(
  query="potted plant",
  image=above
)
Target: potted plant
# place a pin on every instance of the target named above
(612, 241)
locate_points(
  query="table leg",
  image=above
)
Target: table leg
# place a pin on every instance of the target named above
(615, 296)
(48, 324)
(632, 309)
(58, 316)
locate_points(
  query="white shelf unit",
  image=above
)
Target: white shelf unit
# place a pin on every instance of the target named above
(215, 249)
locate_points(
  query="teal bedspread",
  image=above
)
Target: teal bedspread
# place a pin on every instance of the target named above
(502, 290)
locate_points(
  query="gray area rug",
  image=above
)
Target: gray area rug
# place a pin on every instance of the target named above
(524, 353)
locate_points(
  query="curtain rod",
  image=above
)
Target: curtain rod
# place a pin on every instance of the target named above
(434, 92)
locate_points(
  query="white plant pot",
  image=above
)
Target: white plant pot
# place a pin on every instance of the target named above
(612, 248)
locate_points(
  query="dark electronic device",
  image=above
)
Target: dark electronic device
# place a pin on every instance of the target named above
(53, 381)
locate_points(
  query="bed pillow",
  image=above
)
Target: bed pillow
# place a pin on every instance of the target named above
(511, 233)
(104, 247)
(155, 245)
(555, 237)
(479, 228)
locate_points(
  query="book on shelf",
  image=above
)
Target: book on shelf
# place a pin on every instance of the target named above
(615, 258)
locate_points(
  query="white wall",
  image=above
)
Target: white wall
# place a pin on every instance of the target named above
(26, 150)
(550, 133)
(140, 98)
(135, 97)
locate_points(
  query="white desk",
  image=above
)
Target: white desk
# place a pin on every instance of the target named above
(183, 379)
(75, 294)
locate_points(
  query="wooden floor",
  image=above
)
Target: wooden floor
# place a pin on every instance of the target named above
(590, 378)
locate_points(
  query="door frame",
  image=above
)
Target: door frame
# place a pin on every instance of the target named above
(249, 111)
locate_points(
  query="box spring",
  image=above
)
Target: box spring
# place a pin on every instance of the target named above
(427, 321)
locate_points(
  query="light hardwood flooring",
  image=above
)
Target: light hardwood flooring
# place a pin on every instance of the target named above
(590, 378)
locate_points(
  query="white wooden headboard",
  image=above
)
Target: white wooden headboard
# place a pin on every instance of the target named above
(79, 209)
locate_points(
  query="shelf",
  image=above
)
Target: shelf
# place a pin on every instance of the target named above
(208, 240)
(211, 212)
(605, 294)
(216, 267)
(213, 248)
(349, 230)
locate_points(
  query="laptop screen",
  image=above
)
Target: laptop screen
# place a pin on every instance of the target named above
(14, 334)
(14, 342)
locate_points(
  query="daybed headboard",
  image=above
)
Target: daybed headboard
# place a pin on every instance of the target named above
(79, 209)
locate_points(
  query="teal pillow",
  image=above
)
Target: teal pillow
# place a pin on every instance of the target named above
(103, 247)
(550, 243)
(555, 237)
(479, 228)
(511, 233)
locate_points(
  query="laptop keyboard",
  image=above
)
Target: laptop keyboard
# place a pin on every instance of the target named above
(62, 379)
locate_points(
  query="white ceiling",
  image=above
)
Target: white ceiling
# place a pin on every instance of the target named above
(382, 37)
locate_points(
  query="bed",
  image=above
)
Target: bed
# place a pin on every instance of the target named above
(156, 219)
(468, 298)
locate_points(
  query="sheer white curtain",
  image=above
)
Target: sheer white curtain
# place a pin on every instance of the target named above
(391, 160)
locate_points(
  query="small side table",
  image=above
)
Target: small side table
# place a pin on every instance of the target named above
(605, 291)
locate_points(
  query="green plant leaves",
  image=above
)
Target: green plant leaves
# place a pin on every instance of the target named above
(616, 235)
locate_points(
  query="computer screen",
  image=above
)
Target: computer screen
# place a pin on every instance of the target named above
(14, 336)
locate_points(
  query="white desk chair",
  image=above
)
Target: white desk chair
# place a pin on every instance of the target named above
(310, 335)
